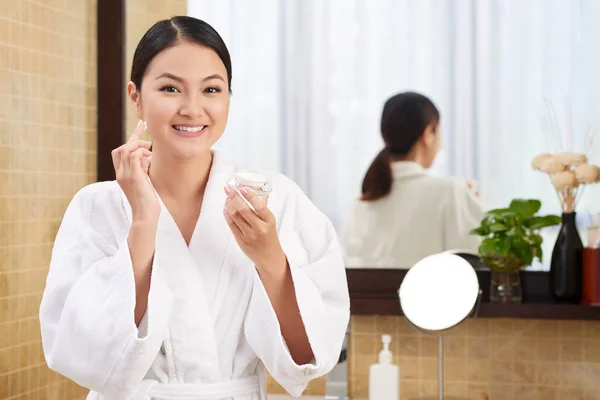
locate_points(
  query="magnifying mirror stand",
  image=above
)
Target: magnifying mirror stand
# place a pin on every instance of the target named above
(440, 337)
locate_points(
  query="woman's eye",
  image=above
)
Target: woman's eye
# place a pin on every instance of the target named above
(212, 90)
(169, 89)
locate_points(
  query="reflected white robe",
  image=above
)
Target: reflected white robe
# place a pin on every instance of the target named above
(422, 215)
(209, 321)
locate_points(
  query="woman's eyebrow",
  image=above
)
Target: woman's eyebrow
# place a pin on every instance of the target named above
(178, 79)
(170, 76)
(213, 76)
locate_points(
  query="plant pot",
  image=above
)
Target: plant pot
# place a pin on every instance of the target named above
(505, 282)
(505, 287)
(566, 263)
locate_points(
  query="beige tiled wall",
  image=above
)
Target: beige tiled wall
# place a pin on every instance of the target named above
(140, 16)
(315, 387)
(47, 152)
(485, 359)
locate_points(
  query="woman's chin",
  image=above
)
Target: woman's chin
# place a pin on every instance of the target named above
(191, 151)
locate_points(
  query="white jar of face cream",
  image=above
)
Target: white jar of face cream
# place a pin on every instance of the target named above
(256, 182)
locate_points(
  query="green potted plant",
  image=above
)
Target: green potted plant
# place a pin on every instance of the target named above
(511, 241)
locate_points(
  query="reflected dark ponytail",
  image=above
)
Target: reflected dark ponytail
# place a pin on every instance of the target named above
(378, 179)
(404, 118)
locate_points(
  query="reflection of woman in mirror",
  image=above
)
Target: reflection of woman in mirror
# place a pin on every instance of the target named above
(404, 213)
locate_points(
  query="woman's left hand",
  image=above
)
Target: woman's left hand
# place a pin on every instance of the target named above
(255, 231)
(472, 185)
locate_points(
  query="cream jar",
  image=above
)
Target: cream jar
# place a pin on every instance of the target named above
(256, 182)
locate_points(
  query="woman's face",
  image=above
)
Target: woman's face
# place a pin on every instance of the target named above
(184, 100)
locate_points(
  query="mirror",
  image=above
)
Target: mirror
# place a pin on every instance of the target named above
(438, 293)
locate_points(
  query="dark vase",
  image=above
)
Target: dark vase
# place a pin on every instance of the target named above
(566, 263)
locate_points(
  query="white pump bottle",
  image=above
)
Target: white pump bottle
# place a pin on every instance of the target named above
(384, 378)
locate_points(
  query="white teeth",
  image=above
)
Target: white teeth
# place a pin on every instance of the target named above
(189, 128)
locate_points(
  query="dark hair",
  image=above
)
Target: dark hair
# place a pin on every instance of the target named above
(403, 121)
(167, 33)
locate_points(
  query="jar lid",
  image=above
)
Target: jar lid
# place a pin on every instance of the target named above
(250, 179)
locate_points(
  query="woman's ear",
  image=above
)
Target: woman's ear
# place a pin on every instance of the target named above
(134, 98)
(429, 135)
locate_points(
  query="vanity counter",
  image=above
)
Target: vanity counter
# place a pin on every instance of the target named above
(287, 397)
(375, 291)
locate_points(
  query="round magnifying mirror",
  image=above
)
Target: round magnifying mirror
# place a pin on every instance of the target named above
(439, 292)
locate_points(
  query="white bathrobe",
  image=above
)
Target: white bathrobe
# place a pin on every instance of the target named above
(209, 330)
(423, 215)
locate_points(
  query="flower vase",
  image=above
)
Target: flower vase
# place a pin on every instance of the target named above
(505, 282)
(566, 263)
(505, 287)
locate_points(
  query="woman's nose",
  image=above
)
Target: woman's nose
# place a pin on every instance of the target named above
(191, 106)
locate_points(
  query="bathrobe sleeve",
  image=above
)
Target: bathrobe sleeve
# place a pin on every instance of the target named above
(315, 259)
(462, 212)
(87, 310)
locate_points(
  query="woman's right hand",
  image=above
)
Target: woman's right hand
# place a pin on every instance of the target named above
(131, 167)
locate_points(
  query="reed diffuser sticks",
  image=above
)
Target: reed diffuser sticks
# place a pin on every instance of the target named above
(569, 171)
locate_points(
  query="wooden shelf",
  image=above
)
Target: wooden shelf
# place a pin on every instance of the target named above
(391, 306)
(540, 311)
(375, 292)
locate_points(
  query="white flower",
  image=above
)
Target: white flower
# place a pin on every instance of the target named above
(552, 165)
(537, 161)
(586, 173)
(564, 180)
(572, 158)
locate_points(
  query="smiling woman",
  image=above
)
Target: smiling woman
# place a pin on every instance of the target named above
(167, 284)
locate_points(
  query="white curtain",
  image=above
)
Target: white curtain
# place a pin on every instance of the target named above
(310, 78)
